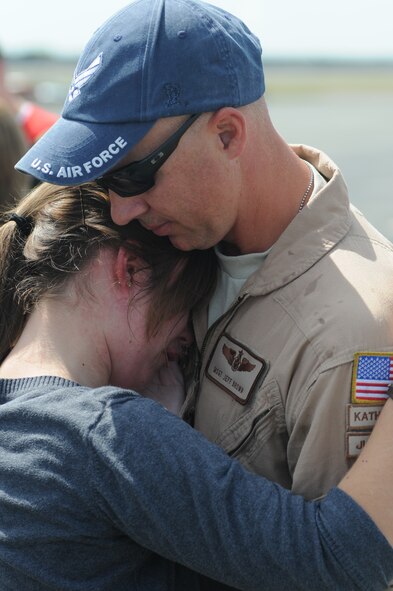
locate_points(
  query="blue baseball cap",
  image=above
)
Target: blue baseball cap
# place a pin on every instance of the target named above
(152, 59)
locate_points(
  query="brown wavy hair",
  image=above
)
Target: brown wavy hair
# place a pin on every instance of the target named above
(66, 228)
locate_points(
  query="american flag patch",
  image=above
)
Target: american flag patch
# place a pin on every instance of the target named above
(372, 375)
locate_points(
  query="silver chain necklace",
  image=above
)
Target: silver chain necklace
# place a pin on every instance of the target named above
(310, 184)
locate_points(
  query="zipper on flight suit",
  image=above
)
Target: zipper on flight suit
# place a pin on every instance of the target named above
(196, 377)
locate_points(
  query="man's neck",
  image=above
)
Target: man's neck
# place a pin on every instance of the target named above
(270, 209)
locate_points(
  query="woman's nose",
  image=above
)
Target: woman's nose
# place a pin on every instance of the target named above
(186, 337)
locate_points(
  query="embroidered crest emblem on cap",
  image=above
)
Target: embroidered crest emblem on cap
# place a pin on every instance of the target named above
(83, 77)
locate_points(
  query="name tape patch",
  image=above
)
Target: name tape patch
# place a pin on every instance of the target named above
(355, 443)
(360, 421)
(361, 416)
(235, 369)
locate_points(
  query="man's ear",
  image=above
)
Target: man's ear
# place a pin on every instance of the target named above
(230, 124)
(126, 265)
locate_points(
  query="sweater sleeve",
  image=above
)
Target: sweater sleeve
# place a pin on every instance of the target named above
(173, 492)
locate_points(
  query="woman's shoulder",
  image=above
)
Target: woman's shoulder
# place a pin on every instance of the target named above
(55, 401)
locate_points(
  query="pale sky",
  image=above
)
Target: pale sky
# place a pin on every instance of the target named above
(340, 28)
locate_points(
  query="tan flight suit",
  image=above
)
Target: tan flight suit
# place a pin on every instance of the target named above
(276, 370)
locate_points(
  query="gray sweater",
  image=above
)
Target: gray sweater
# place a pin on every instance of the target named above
(104, 490)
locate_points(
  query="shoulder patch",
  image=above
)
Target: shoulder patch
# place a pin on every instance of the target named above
(372, 374)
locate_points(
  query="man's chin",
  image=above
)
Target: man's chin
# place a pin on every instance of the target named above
(182, 244)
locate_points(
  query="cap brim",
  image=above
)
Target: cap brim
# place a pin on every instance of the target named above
(75, 152)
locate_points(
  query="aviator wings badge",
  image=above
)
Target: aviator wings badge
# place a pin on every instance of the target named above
(237, 360)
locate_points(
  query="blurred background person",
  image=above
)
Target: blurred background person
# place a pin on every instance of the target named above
(13, 145)
(22, 122)
(33, 119)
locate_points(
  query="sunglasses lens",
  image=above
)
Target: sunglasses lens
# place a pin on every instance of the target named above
(126, 187)
(138, 177)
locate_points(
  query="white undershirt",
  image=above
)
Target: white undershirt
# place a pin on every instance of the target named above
(235, 270)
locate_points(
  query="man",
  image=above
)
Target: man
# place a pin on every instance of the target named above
(166, 110)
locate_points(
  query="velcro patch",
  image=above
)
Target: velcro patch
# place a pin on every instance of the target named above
(356, 442)
(371, 377)
(235, 369)
(362, 416)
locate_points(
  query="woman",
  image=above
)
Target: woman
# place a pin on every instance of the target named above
(102, 488)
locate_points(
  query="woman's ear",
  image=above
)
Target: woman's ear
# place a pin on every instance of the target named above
(126, 265)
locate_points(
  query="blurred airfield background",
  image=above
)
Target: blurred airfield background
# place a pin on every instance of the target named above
(344, 107)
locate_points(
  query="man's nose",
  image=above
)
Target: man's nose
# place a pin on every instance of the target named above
(125, 209)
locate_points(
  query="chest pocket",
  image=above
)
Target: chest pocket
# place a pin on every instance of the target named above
(257, 432)
(259, 438)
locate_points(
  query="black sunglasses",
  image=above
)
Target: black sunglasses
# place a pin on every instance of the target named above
(138, 177)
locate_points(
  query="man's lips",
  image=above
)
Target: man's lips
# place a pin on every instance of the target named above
(159, 230)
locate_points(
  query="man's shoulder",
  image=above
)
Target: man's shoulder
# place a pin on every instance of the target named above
(363, 231)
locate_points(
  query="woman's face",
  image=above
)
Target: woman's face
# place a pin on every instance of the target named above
(136, 358)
